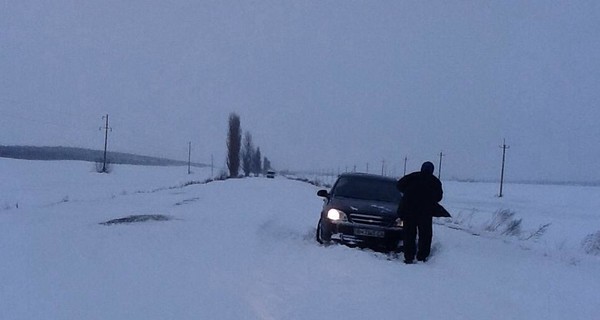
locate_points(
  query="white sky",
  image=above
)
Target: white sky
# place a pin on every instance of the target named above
(319, 84)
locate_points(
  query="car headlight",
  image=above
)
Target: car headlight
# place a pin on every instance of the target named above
(399, 223)
(336, 215)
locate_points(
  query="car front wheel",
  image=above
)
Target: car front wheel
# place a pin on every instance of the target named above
(323, 237)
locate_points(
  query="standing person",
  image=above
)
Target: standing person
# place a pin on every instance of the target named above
(421, 193)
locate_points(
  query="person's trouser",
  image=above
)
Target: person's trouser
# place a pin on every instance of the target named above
(423, 227)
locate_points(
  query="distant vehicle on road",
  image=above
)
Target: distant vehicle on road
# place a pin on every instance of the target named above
(270, 174)
(361, 210)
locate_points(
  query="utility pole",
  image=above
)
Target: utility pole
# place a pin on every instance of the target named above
(106, 128)
(405, 160)
(504, 147)
(440, 166)
(382, 167)
(189, 156)
(211, 166)
(367, 167)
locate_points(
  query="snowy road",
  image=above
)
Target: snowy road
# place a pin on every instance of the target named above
(244, 249)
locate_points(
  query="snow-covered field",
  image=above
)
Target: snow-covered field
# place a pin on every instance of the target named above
(244, 249)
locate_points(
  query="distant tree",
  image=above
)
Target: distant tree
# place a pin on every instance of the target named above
(234, 143)
(266, 165)
(256, 161)
(247, 154)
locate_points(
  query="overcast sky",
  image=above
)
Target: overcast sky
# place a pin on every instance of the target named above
(319, 84)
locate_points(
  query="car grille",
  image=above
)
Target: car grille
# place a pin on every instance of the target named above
(371, 220)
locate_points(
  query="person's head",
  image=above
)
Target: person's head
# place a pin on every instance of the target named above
(427, 167)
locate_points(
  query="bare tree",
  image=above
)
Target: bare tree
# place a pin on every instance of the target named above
(256, 162)
(234, 143)
(266, 164)
(247, 154)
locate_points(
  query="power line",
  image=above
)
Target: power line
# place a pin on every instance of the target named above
(440, 166)
(504, 147)
(106, 128)
(189, 157)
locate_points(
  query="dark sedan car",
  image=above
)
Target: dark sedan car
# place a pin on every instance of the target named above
(361, 210)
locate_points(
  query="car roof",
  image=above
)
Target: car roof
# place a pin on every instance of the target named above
(366, 175)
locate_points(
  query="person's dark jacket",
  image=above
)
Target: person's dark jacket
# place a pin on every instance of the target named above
(421, 193)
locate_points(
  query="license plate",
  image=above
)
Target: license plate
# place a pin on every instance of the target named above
(369, 233)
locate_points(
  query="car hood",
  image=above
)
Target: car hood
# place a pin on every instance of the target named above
(379, 208)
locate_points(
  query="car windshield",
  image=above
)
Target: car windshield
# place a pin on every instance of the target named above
(367, 188)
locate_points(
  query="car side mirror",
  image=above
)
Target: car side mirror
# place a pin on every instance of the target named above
(323, 193)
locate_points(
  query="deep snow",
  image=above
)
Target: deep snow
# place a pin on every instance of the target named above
(244, 249)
